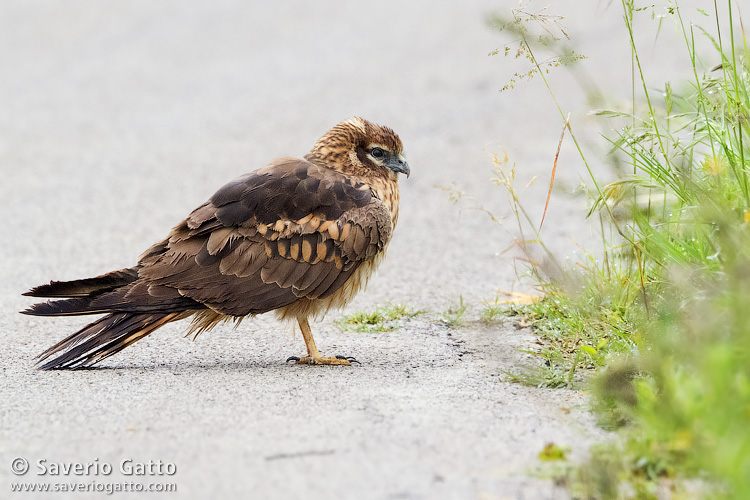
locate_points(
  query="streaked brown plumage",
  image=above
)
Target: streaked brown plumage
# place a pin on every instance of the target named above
(298, 237)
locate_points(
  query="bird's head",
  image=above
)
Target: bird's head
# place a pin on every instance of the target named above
(359, 147)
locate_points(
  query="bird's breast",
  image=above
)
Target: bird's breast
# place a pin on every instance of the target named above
(387, 191)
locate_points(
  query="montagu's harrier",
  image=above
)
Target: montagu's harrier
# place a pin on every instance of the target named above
(298, 237)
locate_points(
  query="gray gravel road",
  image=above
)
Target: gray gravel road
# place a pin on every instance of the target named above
(119, 118)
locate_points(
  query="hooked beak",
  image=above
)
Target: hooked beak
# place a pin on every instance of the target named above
(398, 165)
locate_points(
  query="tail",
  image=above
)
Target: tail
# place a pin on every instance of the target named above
(116, 292)
(80, 294)
(133, 313)
(103, 338)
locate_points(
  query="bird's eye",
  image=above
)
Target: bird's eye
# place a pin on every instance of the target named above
(377, 153)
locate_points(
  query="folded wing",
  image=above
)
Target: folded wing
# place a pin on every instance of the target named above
(292, 230)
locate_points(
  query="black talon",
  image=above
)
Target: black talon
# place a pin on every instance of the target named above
(349, 359)
(292, 358)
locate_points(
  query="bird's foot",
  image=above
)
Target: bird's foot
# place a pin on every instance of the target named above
(320, 360)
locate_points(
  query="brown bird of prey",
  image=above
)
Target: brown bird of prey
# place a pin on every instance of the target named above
(298, 237)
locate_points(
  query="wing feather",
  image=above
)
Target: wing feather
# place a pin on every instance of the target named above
(237, 260)
(290, 231)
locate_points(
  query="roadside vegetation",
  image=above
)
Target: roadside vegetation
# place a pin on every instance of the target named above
(382, 319)
(661, 312)
(387, 318)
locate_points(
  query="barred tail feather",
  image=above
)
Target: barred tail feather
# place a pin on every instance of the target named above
(103, 338)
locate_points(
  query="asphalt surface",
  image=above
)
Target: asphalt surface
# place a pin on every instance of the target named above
(119, 118)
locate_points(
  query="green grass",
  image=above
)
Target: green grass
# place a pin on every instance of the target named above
(453, 317)
(382, 319)
(493, 313)
(664, 313)
(579, 333)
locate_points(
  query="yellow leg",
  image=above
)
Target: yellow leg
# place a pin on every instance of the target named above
(313, 356)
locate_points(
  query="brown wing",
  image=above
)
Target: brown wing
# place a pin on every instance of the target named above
(289, 231)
